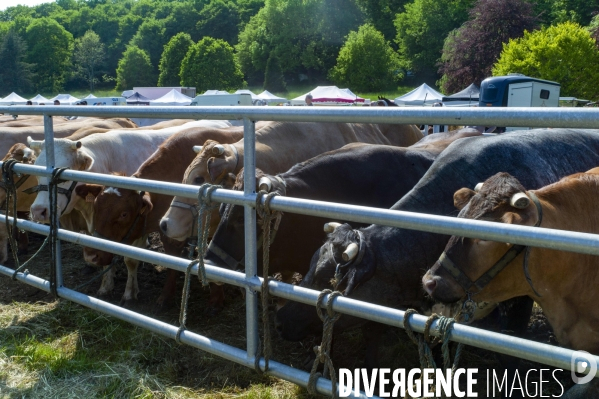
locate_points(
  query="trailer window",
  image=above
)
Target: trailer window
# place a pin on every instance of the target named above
(545, 94)
(490, 94)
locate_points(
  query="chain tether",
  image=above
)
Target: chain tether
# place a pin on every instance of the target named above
(203, 222)
(323, 352)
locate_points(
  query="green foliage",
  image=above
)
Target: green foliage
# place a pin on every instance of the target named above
(89, 54)
(422, 28)
(274, 81)
(172, 57)
(366, 61)
(220, 20)
(50, 48)
(135, 69)
(150, 38)
(564, 53)
(305, 35)
(15, 74)
(210, 64)
(381, 14)
(580, 11)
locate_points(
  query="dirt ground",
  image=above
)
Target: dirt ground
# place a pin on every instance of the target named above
(194, 369)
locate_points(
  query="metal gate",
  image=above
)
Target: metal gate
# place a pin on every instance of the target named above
(547, 238)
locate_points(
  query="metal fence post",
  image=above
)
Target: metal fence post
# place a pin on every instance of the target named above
(50, 164)
(251, 259)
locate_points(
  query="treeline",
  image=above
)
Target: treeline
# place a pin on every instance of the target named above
(364, 44)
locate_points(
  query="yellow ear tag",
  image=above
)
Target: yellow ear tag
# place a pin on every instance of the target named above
(89, 197)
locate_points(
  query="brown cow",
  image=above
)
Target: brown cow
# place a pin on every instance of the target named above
(278, 147)
(563, 283)
(168, 163)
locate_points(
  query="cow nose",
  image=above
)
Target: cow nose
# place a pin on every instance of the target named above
(39, 213)
(429, 285)
(163, 226)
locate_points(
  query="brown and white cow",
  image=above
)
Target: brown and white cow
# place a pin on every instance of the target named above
(563, 283)
(279, 146)
(114, 210)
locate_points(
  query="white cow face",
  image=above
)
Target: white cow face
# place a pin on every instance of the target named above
(67, 154)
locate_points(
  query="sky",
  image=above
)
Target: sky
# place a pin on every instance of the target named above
(4, 4)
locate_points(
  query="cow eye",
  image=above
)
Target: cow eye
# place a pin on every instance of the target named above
(198, 180)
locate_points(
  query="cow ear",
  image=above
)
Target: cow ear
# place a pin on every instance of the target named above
(88, 192)
(146, 204)
(217, 167)
(462, 197)
(83, 160)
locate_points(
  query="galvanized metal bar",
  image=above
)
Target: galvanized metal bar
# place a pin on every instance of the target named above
(537, 237)
(488, 116)
(251, 248)
(518, 347)
(187, 337)
(50, 164)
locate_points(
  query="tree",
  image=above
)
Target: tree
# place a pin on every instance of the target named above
(135, 69)
(220, 20)
(580, 11)
(15, 74)
(422, 28)
(564, 53)
(366, 61)
(172, 57)
(50, 48)
(150, 38)
(470, 51)
(381, 14)
(274, 81)
(210, 64)
(593, 29)
(88, 56)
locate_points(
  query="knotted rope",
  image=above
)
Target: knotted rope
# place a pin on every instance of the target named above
(53, 236)
(267, 216)
(323, 351)
(203, 222)
(425, 342)
(11, 194)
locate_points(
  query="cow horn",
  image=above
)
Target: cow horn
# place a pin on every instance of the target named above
(34, 144)
(197, 149)
(478, 187)
(76, 145)
(520, 201)
(218, 149)
(331, 226)
(264, 184)
(350, 252)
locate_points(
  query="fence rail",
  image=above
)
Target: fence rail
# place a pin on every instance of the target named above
(556, 239)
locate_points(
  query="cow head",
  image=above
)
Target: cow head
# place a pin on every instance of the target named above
(214, 164)
(229, 235)
(20, 153)
(67, 154)
(500, 199)
(331, 268)
(118, 215)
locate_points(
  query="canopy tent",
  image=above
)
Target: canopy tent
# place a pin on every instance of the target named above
(137, 99)
(128, 93)
(328, 95)
(420, 96)
(271, 98)
(245, 91)
(13, 99)
(89, 96)
(214, 92)
(173, 97)
(65, 99)
(465, 98)
(40, 99)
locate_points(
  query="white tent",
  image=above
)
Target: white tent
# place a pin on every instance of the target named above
(465, 98)
(173, 97)
(89, 96)
(420, 96)
(214, 92)
(65, 99)
(271, 98)
(245, 91)
(40, 99)
(13, 99)
(328, 95)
